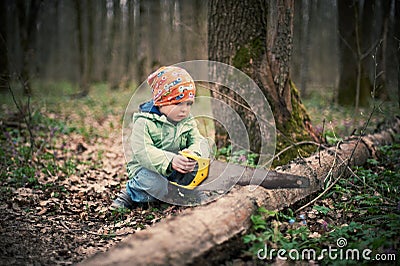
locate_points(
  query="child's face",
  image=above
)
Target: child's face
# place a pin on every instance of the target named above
(177, 112)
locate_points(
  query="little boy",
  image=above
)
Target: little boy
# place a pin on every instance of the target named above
(162, 129)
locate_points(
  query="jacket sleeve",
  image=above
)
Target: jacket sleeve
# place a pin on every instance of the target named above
(144, 150)
(196, 142)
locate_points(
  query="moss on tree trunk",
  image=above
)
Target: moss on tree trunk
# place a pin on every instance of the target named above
(256, 37)
(297, 128)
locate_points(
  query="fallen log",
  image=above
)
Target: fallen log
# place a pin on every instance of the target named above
(181, 240)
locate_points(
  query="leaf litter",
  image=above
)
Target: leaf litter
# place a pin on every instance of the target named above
(57, 210)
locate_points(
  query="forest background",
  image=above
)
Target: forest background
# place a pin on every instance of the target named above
(69, 68)
(120, 42)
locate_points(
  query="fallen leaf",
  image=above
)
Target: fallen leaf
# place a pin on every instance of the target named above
(42, 211)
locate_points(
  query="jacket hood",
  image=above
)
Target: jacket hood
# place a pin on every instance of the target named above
(149, 107)
(149, 111)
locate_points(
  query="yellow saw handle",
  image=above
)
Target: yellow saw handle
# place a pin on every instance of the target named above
(202, 171)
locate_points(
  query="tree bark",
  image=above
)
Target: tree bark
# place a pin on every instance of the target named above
(351, 74)
(256, 37)
(82, 75)
(130, 44)
(397, 37)
(104, 42)
(115, 71)
(27, 19)
(109, 71)
(4, 75)
(187, 238)
(305, 45)
(90, 42)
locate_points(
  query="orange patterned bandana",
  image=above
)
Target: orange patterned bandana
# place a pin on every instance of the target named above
(171, 85)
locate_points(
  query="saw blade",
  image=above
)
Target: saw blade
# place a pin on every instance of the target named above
(224, 175)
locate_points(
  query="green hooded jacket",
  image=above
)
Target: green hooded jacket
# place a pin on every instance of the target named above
(155, 140)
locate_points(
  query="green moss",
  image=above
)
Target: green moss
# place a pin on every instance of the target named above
(248, 52)
(294, 131)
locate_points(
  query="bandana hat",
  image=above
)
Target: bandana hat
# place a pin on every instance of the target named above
(171, 85)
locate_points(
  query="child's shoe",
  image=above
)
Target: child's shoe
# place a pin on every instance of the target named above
(123, 200)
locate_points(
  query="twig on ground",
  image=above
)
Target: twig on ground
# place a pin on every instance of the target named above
(370, 187)
(334, 161)
(319, 148)
(66, 227)
(323, 192)
(76, 231)
(23, 114)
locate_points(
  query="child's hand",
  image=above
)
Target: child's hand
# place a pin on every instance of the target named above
(182, 164)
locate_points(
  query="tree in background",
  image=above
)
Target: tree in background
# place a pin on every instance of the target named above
(122, 41)
(363, 34)
(397, 45)
(81, 49)
(3, 46)
(131, 43)
(256, 37)
(28, 12)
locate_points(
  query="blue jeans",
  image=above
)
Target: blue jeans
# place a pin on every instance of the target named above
(147, 186)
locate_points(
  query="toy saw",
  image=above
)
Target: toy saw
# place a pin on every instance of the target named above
(215, 174)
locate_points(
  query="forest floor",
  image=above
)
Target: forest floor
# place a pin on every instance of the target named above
(62, 163)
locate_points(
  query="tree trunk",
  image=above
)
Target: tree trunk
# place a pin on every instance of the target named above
(27, 17)
(397, 37)
(256, 37)
(363, 39)
(304, 44)
(114, 75)
(136, 41)
(189, 237)
(4, 75)
(392, 41)
(83, 82)
(154, 20)
(90, 42)
(351, 76)
(104, 41)
(130, 41)
(109, 71)
(179, 14)
(379, 41)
